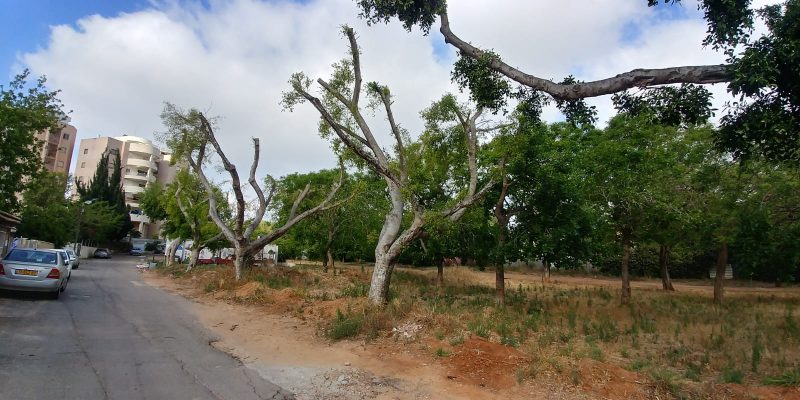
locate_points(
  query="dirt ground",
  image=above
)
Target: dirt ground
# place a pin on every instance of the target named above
(286, 348)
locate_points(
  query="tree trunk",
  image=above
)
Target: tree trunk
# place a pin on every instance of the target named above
(329, 259)
(193, 256)
(500, 284)
(545, 271)
(325, 264)
(239, 261)
(171, 253)
(626, 279)
(384, 262)
(381, 275)
(440, 273)
(719, 281)
(663, 262)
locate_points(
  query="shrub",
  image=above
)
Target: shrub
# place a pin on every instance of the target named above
(344, 325)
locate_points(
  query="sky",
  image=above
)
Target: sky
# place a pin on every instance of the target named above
(116, 62)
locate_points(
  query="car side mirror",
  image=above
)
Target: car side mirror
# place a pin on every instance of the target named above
(66, 262)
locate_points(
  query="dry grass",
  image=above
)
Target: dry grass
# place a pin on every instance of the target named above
(678, 340)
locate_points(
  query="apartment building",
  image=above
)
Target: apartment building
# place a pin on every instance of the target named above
(143, 164)
(57, 147)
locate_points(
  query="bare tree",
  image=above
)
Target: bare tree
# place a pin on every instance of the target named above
(194, 131)
(341, 113)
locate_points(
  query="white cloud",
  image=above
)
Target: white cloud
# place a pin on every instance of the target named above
(234, 58)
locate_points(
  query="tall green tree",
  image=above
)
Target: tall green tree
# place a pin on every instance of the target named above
(106, 186)
(25, 109)
(344, 231)
(46, 214)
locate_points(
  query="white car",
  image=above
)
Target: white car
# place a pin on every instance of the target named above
(35, 270)
(73, 258)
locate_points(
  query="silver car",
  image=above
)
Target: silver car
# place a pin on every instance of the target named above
(76, 261)
(35, 270)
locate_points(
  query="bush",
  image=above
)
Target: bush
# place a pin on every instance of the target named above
(344, 325)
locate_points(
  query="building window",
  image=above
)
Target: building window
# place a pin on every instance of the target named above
(60, 164)
(83, 165)
(66, 136)
(85, 151)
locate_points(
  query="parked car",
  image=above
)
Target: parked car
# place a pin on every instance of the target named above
(76, 261)
(35, 270)
(102, 253)
(136, 251)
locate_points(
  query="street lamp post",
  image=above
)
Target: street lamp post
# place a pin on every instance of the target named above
(78, 229)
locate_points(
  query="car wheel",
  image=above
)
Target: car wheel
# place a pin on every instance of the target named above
(54, 295)
(74, 267)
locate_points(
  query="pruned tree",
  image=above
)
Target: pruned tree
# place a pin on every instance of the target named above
(190, 133)
(341, 115)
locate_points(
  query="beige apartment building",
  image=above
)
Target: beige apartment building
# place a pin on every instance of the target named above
(143, 164)
(57, 148)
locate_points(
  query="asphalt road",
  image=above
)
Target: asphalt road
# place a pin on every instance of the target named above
(110, 336)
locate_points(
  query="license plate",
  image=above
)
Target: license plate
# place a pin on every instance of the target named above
(29, 272)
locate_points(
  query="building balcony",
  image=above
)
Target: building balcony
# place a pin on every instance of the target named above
(136, 177)
(142, 148)
(133, 163)
(132, 189)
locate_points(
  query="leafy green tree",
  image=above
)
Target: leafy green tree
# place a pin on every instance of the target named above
(107, 187)
(630, 165)
(46, 214)
(343, 231)
(24, 111)
(99, 221)
(183, 206)
(767, 246)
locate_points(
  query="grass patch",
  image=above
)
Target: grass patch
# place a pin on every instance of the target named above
(788, 378)
(345, 325)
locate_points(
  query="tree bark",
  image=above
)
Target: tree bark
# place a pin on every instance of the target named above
(440, 273)
(719, 280)
(545, 271)
(329, 260)
(663, 262)
(239, 261)
(193, 256)
(626, 279)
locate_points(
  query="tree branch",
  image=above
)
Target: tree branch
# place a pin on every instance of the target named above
(262, 202)
(387, 103)
(702, 74)
(235, 182)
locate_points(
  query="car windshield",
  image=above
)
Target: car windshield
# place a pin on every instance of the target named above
(32, 256)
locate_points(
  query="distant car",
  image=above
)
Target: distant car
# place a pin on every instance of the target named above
(35, 270)
(136, 252)
(159, 249)
(76, 261)
(102, 253)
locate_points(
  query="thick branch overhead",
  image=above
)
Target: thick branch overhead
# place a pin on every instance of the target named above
(700, 74)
